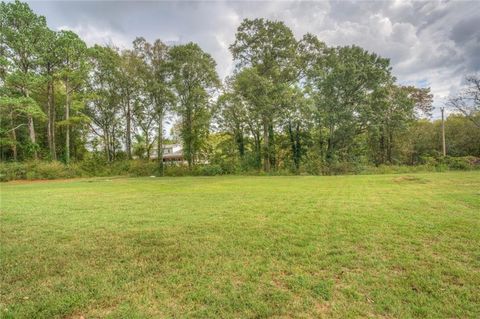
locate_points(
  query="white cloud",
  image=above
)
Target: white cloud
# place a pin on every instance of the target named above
(93, 35)
(429, 43)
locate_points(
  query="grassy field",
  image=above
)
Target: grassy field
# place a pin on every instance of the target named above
(386, 246)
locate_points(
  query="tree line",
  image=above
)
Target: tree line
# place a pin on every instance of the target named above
(289, 102)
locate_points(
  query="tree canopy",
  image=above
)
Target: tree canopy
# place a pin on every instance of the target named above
(289, 104)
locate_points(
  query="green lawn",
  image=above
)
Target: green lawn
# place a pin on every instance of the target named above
(385, 246)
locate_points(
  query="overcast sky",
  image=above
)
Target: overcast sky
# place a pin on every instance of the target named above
(429, 43)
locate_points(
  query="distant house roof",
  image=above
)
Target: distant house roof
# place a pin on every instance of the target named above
(173, 146)
(172, 152)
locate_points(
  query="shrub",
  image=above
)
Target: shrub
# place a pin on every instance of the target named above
(96, 166)
(281, 172)
(312, 165)
(52, 170)
(460, 163)
(142, 168)
(208, 170)
(341, 168)
(12, 171)
(429, 160)
(119, 167)
(38, 170)
(176, 170)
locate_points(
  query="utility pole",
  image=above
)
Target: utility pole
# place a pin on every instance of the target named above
(444, 150)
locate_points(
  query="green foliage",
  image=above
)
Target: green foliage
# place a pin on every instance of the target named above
(21, 35)
(268, 46)
(193, 75)
(39, 170)
(461, 163)
(140, 168)
(291, 106)
(21, 106)
(12, 171)
(208, 170)
(97, 166)
(323, 289)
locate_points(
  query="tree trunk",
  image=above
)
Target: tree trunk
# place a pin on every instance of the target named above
(106, 146)
(321, 144)
(298, 147)
(271, 146)
(14, 138)
(51, 121)
(160, 145)
(129, 129)
(295, 144)
(112, 144)
(266, 144)
(390, 147)
(31, 130)
(188, 151)
(49, 118)
(330, 147)
(292, 145)
(147, 143)
(382, 148)
(67, 118)
(240, 143)
(54, 117)
(258, 149)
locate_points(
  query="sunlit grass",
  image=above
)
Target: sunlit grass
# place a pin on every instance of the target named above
(347, 246)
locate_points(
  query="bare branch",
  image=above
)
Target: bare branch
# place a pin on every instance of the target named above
(16, 127)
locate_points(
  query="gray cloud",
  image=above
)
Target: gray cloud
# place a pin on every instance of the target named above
(429, 43)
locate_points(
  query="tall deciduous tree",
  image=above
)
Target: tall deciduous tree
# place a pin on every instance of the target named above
(130, 86)
(296, 119)
(50, 63)
(467, 101)
(104, 105)
(231, 116)
(342, 84)
(22, 33)
(12, 111)
(297, 105)
(157, 78)
(260, 95)
(270, 50)
(392, 111)
(193, 79)
(73, 73)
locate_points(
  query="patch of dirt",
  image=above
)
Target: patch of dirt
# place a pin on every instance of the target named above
(410, 179)
(36, 181)
(74, 179)
(323, 308)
